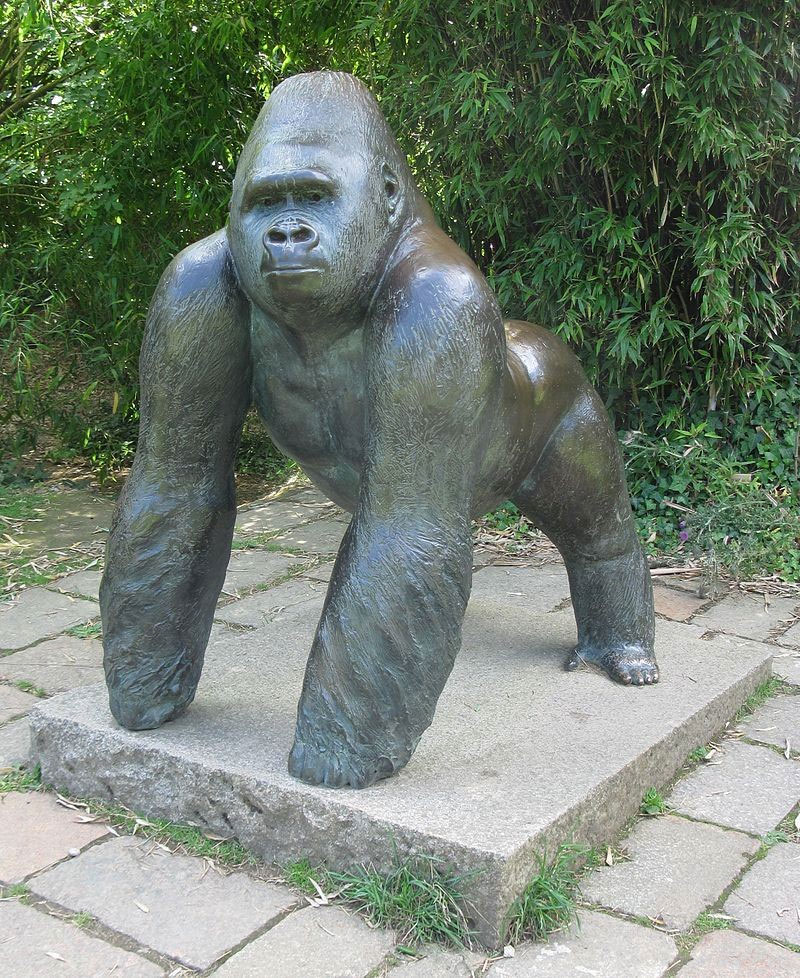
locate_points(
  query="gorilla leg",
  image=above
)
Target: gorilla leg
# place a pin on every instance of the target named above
(576, 494)
(171, 536)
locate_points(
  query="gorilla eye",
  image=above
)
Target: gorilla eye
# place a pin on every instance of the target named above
(315, 196)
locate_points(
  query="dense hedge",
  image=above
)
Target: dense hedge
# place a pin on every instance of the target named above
(627, 173)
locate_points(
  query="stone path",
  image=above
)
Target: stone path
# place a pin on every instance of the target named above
(709, 890)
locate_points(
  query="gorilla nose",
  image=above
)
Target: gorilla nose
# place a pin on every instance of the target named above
(291, 235)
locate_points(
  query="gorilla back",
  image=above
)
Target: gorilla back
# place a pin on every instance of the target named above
(378, 358)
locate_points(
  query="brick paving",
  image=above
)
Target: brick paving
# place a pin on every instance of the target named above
(711, 890)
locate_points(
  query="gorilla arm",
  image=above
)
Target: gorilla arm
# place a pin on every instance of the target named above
(391, 626)
(170, 540)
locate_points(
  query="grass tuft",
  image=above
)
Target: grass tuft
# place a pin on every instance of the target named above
(653, 803)
(90, 629)
(420, 898)
(19, 779)
(28, 687)
(770, 687)
(82, 918)
(548, 902)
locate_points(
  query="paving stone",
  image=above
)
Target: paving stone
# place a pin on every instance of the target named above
(35, 832)
(767, 899)
(38, 613)
(248, 568)
(85, 582)
(728, 954)
(439, 964)
(528, 590)
(603, 947)
(677, 868)
(748, 615)
(787, 665)
(36, 945)
(274, 604)
(278, 514)
(67, 517)
(311, 496)
(193, 913)
(321, 537)
(776, 722)
(60, 664)
(13, 702)
(751, 788)
(15, 743)
(322, 572)
(318, 942)
(677, 605)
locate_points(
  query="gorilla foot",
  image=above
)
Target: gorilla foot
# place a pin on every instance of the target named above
(630, 665)
(147, 695)
(328, 750)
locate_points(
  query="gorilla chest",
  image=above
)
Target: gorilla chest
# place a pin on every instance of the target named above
(313, 404)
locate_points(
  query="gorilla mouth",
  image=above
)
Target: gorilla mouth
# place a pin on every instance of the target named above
(294, 269)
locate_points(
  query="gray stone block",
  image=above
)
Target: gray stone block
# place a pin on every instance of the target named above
(249, 568)
(728, 954)
(178, 905)
(279, 514)
(602, 947)
(36, 832)
(38, 613)
(677, 868)
(321, 537)
(767, 900)
(15, 744)
(36, 945)
(14, 703)
(275, 604)
(525, 590)
(85, 583)
(55, 666)
(520, 755)
(318, 942)
(751, 788)
(748, 615)
(787, 664)
(776, 722)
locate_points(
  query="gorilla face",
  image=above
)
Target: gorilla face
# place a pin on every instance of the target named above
(310, 223)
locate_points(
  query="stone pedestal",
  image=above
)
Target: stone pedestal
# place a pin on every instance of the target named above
(521, 755)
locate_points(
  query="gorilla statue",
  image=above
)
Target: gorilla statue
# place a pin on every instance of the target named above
(378, 358)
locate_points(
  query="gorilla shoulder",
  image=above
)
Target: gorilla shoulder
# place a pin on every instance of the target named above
(434, 291)
(200, 275)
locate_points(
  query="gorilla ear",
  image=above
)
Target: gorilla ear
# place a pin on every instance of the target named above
(391, 187)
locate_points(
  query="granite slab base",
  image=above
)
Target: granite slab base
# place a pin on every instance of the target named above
(520, 757)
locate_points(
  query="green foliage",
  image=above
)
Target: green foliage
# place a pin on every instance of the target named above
(769, 688)
(627, 173)
(653, 803)
(90, 629)
(548, 902)
(421, 899)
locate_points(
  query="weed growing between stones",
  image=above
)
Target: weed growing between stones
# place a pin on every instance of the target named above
(420, 898)
(28, 687)
(770, 687)
(18, 779)
(16, 891)
(82, 919)
(653, 803)
(705, 923)
(548, 903)
(89, 629)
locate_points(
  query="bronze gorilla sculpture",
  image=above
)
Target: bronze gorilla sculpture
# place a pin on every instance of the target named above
(378, 358)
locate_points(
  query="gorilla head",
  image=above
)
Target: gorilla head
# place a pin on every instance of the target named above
(321, 195)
